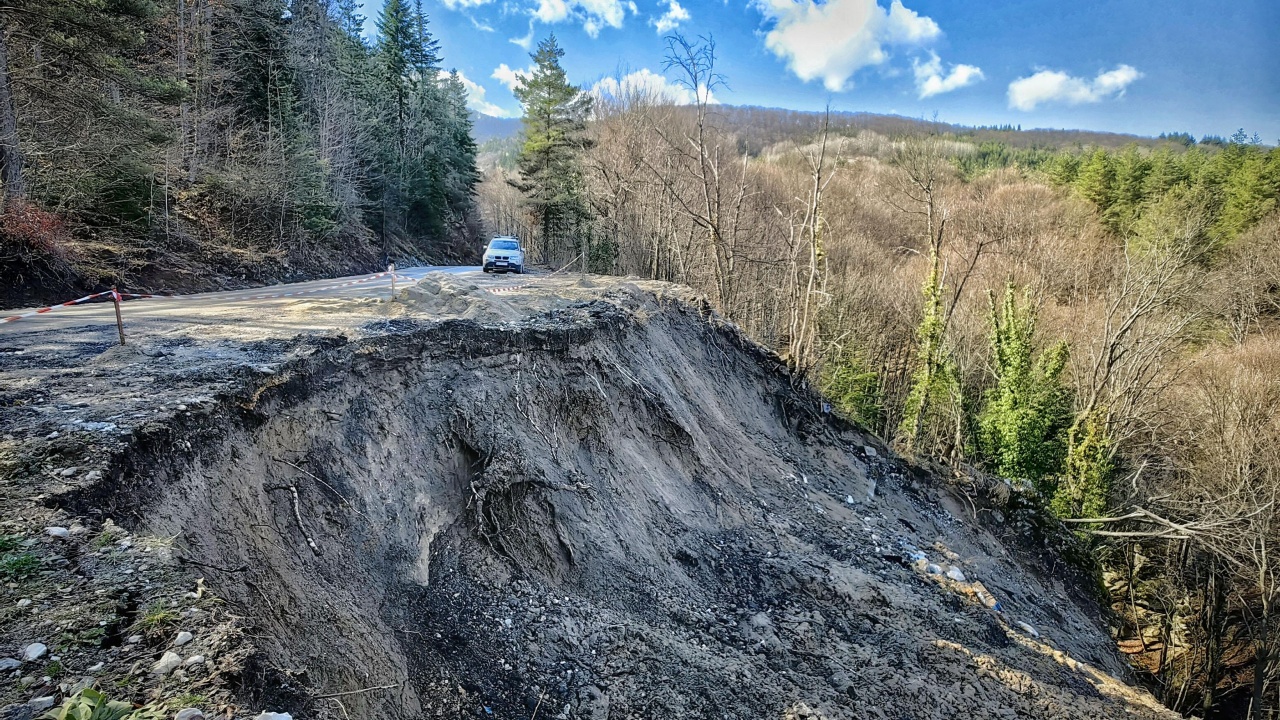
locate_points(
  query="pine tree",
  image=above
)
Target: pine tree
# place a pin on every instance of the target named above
(74, 55)
(1096, 180)
(409, 58)
(555, 114)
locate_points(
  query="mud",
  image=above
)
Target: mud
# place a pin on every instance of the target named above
(590, 499)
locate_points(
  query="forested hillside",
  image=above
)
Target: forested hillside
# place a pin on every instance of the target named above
(1096, 323)
(179, 144)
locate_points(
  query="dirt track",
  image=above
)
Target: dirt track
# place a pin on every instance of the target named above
(585, 499)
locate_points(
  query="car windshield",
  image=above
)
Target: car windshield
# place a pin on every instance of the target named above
(504, 245)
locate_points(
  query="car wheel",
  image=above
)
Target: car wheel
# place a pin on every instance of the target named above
(486, 270)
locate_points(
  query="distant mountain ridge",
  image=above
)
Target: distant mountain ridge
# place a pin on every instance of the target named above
(767, 125)
(487, 127)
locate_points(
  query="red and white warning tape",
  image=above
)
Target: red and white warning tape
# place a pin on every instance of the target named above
(51, 308)
(512, 288)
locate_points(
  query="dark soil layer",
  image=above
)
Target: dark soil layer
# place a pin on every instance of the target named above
(616, 509)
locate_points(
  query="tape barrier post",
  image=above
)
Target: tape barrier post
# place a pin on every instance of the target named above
(115, 299)
(392, 269)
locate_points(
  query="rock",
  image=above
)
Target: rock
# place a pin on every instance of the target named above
(167, 663)
(193, 660)
(41, 704)
(956, 574)
(24, 602)
(870, 451)
(96, 667)
(183, 638)
(933, 569)
(69, 472)
(58, 532)
(7, 664)
(15, 712)
(189, 714)
(34, 651)
(273, 716)
(848, 499)
(1028, 629)
(92, 476)
(134, 639)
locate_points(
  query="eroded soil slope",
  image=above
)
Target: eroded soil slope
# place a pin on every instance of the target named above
(582, 499)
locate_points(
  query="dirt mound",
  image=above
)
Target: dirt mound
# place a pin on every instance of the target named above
(443, 294)
(617, 508)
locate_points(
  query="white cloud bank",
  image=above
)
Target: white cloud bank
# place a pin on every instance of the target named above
(930, 80)
(1055, 86)
(647, 84)
(476, 100)
(510, 77)
(671, 19)
(593, 14)
(834, 39)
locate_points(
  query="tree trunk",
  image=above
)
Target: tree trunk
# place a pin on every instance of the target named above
(10, 151)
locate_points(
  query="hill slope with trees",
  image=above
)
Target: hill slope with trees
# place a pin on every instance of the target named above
(191, 143)
(1091, 318)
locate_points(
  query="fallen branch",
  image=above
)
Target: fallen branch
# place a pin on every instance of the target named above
(361, 691)
(331, 488)
(188, 561)
(297, 515)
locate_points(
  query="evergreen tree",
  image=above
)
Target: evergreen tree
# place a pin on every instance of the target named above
(74, 57)
(853, 388)
(555, 114)
(1024, 419)
(1096, 180)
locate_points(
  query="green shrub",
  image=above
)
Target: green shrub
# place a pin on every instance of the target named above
(19, 566)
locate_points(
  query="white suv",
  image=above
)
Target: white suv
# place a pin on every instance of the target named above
(504, 254)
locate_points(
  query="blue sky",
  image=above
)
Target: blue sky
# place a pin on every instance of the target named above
(1120, 65)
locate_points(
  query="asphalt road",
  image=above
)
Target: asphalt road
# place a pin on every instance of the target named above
(242, 305)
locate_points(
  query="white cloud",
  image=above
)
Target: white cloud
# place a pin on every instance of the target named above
(930, 79)
(1049, 86)
(832, 40)
(550, 11)
(455, 4)
(525, 42)
(650, 85)
(908, 26)
(594, 15)
(476, 100)
(510, 77)
(671, 19)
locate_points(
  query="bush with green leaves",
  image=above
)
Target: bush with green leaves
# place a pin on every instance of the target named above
(853, 388)
(19, 566)
(1085, 485)
(90, 704)
(1024, 419)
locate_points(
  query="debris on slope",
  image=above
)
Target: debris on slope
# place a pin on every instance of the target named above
(584, 499)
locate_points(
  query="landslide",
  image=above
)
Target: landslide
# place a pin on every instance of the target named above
(615, 507)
